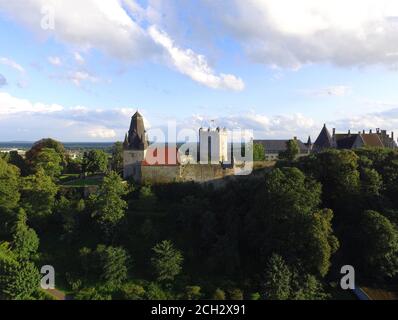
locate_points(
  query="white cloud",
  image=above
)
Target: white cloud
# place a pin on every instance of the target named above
(194, 65)
(117, 28)
(10, 105)
(55, 61)
(287, 33)
(78, 58)
(102, 133)
(12, 64)
(104, 25)
(336, 91)
(79, 76)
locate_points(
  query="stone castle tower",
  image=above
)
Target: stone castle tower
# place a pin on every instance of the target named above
(213, 145)
(135, 147)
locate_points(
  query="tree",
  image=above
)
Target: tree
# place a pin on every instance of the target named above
(117, 157)
(235, 294)
(109, 207)
(48, 160)
(258, 152)
(113, 263)
(17, 160)
(132, 291)
(91, 294)
(48, 143)
(319, 241)
(95, 161)
(166, 261)
(307, 287)
(291, 152)
(38, 194)
(9, 185)
(283, 282)
(25, 241)
(18, 279)
(219, 294)
(278, 277)
(192, 292)
(371, 182)
(378, 244)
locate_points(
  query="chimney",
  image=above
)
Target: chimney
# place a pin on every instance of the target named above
(378, 130)
(334, 131)
(349, 132)
(294, 138)
(370, 131)
(392, 135)
(363, 131)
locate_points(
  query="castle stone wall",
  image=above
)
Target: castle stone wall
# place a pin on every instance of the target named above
(192, 172)
(160, 174)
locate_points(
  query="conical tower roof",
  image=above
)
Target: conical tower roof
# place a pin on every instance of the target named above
(324, 139)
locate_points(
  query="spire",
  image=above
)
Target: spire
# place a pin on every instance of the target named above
(324, 140)
(137, 135)
(126, 141)
(309, 142)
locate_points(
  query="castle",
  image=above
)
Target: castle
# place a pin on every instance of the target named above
(165, 163)
(349, 140)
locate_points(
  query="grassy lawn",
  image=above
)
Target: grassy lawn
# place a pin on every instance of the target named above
(68, 177)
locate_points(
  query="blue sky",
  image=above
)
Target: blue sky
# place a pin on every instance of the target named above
(250, 64)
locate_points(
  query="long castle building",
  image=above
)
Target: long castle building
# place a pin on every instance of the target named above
(165, 163)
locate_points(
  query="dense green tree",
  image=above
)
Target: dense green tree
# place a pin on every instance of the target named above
(92, 294)
(17, 160)
(95, 161)
(167, 261)
(278, 278)
(106, 264)
(117, 157)
(25, 241)
(192, 292)
(48, 143)
(307, 287)
(258, 152)
(286, 219)
(9, 185)
(291, 152)
(219, 294)
(371, 182)
(320, 242)
(18, 279)
(235, 294)
(337, 171)
(38, 194)
(132, 291)
(113, 262)
(48, 160)
(378, 245)
(155, 292)
(109, 206)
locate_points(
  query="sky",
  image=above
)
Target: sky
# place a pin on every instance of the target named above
(77, 70)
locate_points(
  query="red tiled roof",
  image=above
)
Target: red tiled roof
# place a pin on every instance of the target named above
(372, 140)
